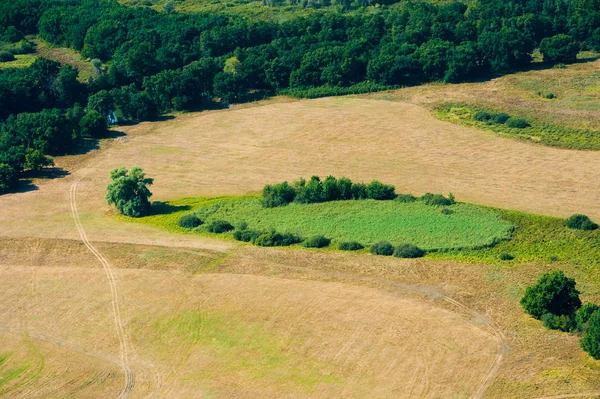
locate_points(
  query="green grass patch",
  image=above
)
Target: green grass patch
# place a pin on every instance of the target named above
(21, 61)
(541, 239)
(241, 346)
(365, 221)
(538, 132)
(10, 372)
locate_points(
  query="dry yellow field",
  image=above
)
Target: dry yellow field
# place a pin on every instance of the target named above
(96, 307)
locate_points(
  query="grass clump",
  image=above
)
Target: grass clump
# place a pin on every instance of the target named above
(219, 226)
(383, 248)
(580, 222)
(189, 221)
(316, 242)
(504, 256)
(350, 246)
(408, 251)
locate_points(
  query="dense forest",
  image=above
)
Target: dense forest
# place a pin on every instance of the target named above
(147, 63)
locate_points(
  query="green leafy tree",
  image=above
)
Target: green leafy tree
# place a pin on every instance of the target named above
(559, 48)
(552, 293)
(128, 191)
(36, 160)
(8, 177)
(93, 124)
(591, 340)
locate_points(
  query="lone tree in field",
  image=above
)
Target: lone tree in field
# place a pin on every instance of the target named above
(128, 191)
(553, 293)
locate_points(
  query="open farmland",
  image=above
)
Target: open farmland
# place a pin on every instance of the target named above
(206, 317)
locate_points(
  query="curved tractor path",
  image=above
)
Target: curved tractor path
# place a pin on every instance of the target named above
(129, 375)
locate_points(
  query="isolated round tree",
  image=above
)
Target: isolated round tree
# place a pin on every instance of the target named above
(552, 293)
(128, 191)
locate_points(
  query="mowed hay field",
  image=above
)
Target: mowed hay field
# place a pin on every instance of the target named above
(209, 318)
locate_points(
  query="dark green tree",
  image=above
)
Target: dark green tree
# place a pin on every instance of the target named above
(128, 191)
(559, 48)
(553, 293)
(591, 340)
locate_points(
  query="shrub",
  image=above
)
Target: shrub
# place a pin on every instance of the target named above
(550, 96)
(382, 248)
(316, 242)
(408, 251)
(552, 293)
(553, 322)
(517, 123)
(583, 315)
(219, 226)
(580, 222)
(501, 118)
(378, 191)
(482, 116)
(246, 235)
(446, 211)
(406, 198)
(591, 340)
(6, 56)
(506, 256)
(275, 239)
(359, 191)
(350, 246)
(437, 199)
(189, 221)
(277, 195)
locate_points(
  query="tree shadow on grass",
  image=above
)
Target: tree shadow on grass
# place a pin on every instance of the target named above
(164, 208)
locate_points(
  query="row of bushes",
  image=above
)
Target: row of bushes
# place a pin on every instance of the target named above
(332, 189)
(273, 238)
(555, 301)
(501, 118)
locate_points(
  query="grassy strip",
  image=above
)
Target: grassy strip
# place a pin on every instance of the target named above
(328, 91)
(365, 221)
(539, 132)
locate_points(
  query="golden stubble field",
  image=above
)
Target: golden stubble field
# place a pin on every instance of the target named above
(208, 318)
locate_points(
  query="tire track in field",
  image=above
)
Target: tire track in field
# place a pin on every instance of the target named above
(129, 380)
(495, 333)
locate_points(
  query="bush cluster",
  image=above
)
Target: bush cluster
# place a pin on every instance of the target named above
(438, 199)
(274, 239)
(408, 251)
(554, 300)
(219, 226)
(517, 123)
(580, 222)
(189, 221)
(401, 251)
(350, 246)
(500, 118)
(330, 189)
(316, 242)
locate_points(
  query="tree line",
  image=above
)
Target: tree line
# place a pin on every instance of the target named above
(147, 62)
